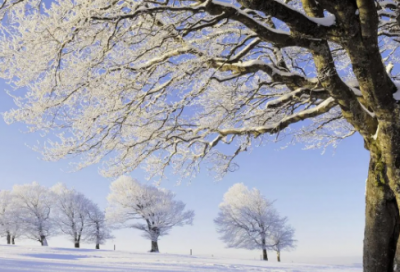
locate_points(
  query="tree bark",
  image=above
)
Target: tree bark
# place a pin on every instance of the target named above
(154, 246)
(381, 220)
(98, 235)
(8, 238)
(43, 240)
(278, 256)
(13, 240)
(265, 256)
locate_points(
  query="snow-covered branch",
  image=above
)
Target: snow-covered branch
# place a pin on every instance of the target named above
(154, 84)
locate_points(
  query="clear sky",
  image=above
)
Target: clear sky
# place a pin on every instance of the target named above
(322, 195)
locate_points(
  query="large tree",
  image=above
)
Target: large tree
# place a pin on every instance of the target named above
(147, 208)
(167, 82)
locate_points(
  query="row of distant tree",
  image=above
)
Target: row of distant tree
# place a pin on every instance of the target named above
(35, 212)
(246, 218)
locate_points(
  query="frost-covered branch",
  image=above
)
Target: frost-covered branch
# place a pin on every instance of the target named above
(159, 84)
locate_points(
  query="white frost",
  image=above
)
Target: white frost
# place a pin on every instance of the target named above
(396, 95)
(329, 20)
(375, 136)
(367, 111)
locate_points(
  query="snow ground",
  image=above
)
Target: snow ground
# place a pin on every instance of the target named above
(35, 259)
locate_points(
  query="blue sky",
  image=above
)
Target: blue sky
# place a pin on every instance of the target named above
(322, 195)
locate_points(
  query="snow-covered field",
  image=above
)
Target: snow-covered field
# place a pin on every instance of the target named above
(34, 259)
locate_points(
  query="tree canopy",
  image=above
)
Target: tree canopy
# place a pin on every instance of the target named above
(165, 83)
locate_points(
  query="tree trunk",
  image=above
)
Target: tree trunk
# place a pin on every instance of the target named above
(43, 240)
(13, 240)
(154, 246)
(265, 256)
(381, 220)
(278, 256)
(98, 235)
(77, 244)
(8, 238)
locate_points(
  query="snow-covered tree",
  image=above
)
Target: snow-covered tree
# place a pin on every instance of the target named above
(5, 202)
(98, 230)
(10, 221)
(130, 202)
(71, 212)
(166, 83)
(282, 238)
(246, 219)
(34, 203)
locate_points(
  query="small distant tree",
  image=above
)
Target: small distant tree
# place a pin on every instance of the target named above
(130, 201)
(282, 238)
(10, 223)
(71, 212)
(98, 230)
(247, 219)
(16, 232)
(34, 203)
(5, 201)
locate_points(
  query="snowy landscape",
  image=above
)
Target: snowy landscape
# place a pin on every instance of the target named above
(38, 259)
(121, 101)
